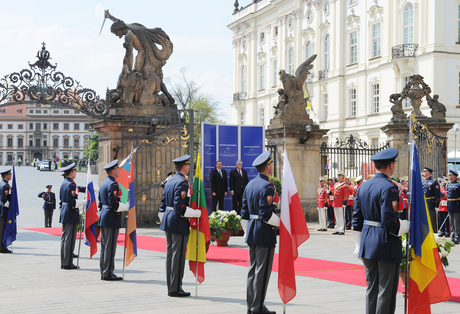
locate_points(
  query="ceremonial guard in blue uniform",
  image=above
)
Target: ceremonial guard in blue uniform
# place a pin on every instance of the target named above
(49, 204)
(4, 205)
(110, 219)
(70, 215)
(259, 222)
(432, 195)
(453, 205)
(377, 232)
(174, 214)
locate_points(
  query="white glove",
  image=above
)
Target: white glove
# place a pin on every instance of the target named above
(192, 213)
(98, 213)
(161, 215)
(274, 220)
(357, 240)
(123, 207)
(244, 225)
(7, 204)
(79, 203)
(45, 190)
(82, 209)
(404, 227)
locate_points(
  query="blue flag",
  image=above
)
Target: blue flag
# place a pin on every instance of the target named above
(11, 228)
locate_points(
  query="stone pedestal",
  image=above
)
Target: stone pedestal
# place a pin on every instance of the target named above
(109, 138)
(303, 150)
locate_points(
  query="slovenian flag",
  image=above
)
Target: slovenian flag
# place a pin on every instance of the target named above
(427, 280)
(198, 201)
(11, 228)
(293, 232)
(91, 214)
(126, 181)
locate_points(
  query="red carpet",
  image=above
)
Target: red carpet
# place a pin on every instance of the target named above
(308, 267)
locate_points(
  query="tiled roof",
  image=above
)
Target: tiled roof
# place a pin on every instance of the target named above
(13, 111)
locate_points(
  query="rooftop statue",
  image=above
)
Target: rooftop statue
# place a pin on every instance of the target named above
(141, 80)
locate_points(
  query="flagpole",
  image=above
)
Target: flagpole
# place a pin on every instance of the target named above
(197, 228)
(82, 227)
(411, 156)
(126, 228)
(284, 152)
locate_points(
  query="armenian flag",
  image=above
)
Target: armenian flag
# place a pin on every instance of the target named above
(126, 182)
(198, 201)
(427, 280)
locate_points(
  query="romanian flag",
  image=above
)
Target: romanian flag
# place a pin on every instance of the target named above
(198, 201)
(11, 228)
(91, 214)
(427, 280)
(293, 232)
(126, 181)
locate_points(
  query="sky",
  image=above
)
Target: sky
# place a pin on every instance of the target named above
(70, 29)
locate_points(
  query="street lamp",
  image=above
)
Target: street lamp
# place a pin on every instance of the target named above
(456, 129)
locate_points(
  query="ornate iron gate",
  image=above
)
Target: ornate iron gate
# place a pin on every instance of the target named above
(350, 155)
(431, 148)
(160, 139)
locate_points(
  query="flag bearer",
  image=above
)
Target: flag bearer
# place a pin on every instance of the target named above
(4, 205)
(443, 214)
(49, 204)
(260, 224)
(375, 216)
(453, 205)
(321, 201)
(174, 214)
(431, 190)
(340, 202)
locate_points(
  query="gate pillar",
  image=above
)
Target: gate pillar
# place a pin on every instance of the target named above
(109, 142)
(398, 136)
(303, 150)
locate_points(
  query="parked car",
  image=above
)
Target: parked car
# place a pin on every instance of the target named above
(44, 165)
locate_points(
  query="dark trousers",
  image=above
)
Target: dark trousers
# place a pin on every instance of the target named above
(109, 238)
(48, 217)
(443, 223)
(434, 223)
(237, 201)
(260, 269)
(2, 231)
(176, 247)
(68, 239)
(217, 199)
(330, 217)
(382, 286)
(348, 216)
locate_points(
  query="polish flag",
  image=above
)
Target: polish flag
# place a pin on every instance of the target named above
(293, 232)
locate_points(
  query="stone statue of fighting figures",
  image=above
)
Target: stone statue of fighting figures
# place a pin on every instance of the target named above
(141, 79)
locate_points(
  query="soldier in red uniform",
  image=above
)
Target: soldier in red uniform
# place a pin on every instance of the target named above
(350, 203)
(330, 208)
(321, 198)
(443, 215)
(340, 200)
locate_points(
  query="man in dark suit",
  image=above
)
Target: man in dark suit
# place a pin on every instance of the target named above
(238, 181)
(219, 186)
(50, 204)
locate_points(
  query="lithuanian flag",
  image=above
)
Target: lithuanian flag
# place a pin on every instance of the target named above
(427, 280)
(198, 201)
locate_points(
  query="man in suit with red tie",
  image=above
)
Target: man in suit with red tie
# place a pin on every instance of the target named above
(219, 186)
(238, 181)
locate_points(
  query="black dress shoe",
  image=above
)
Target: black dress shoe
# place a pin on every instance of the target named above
(5, 250)
(70, 267)
(335, 233)
(341, 233)
(75, 256)
(181, 293)
(264, 311)
(112, 277)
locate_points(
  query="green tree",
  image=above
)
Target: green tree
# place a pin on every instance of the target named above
(92, 149)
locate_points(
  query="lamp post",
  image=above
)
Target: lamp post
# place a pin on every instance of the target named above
(456, 129)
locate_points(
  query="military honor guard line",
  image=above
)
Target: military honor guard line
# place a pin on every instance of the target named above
(375, 210)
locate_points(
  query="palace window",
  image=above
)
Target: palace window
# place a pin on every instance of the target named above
(409, 24)
(241, 118)
(261, 116)
(376, 40)
(406, 101)
(20, 126)
(55, 142)
(275, 72)
(291, 61)
(10, 126)
(55, 126)
(325, 104)
(10, 142)
(243, 79)
(262, 76)
(308, 50)
(66, 126)
(76, 126)
(352, 102)
(327, 52)
(375, 98)
(66, 143)
(353, 47)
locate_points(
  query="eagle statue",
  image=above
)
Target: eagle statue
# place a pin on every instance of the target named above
(293, 84)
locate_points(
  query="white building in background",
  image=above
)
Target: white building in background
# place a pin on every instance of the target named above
(366, 50)
(43, 132)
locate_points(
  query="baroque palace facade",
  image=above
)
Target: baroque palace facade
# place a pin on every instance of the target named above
(41, 131)
(366, 50)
